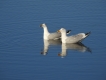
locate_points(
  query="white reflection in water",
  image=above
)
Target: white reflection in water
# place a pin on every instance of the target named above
(78, 47)
(47, 43)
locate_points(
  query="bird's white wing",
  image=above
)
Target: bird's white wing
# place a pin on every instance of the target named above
(75, 38)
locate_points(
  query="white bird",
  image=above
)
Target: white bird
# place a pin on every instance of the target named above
(48, 36)
(74, 38)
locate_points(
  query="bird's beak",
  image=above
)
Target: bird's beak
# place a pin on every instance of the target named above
(40, 25)
(59, 54)
(58, 31)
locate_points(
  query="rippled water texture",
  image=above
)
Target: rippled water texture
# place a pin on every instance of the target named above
(24, 55)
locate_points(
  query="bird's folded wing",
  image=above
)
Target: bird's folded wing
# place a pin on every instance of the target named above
(74, 38)
(54, 35)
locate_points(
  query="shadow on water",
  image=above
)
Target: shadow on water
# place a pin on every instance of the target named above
(47, 43)
(77, 47)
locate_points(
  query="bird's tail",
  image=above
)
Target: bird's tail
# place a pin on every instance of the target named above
(68, 31)
(87, 34)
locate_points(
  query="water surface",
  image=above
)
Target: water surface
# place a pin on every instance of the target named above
(23, 53)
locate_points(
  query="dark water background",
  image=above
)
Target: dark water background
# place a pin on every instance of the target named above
(21, 41)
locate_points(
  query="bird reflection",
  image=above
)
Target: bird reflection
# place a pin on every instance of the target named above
(47, 43)
(78, 47)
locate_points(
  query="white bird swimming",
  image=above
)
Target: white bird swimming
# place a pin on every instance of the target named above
(48, 36)
(74, 38)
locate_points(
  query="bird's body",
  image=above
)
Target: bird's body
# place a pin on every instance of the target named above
(74, 38)
(48, 36)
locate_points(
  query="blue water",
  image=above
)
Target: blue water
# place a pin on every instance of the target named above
(22, 49)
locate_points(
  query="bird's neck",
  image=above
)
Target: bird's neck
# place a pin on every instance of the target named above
(46, 33)
(64, 36)
(46, 30)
